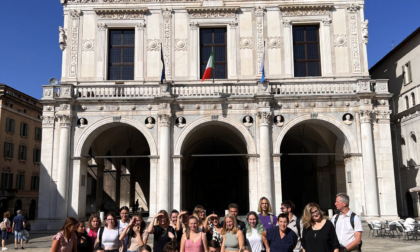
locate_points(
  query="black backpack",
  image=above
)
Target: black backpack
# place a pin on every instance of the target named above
(359, 248)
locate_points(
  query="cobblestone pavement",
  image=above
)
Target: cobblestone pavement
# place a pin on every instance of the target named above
(40, 241)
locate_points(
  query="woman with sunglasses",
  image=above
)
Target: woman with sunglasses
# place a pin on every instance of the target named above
(213, 227)
(161, 230)
(108, 236)
(193, 240)
(200, 213)
(134, 235)
(84, 243)
(233, 238)
(318, 233)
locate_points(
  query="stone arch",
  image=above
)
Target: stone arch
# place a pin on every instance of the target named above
(247, 137)
(336, 126)
(93, 130)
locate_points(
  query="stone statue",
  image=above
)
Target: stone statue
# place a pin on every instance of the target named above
(248, 122)
(347, 119)
(62, 38)
(82, 122)
(181, 122)
(365, 31)
(150, 122)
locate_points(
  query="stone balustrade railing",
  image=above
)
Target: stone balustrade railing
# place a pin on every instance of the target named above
(214, 90)
(121, 91)
(314, 89)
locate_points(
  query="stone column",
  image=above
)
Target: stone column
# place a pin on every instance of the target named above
(253, 182)
(326, 61)
(177, 188)
(45, 186)
(278, 193)
(163, 182)
(232, 46)
(101, 51)
(288, 48)
(264, 171)
(100, 184)
(118, 183)
(153, 186)
(63, 166)
(369, 168)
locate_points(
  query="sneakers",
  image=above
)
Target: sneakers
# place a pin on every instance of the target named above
(3, 249)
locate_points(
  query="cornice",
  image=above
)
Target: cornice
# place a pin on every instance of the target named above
(306, 9)
(231, 9)
(102, 11)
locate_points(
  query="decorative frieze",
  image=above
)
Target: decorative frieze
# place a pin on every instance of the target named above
(47, 121)
(213, 12)
(101, 26)
(121, 14)
(354, 43)
(352, 8)
(140, 26)
(75, 14)
(305, 10)
(122, 1)
(167, 23)
(259, 19)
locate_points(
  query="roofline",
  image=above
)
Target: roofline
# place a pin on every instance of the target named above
(5, 87)
(401, 44)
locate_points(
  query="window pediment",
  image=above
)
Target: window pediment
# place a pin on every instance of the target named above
(213, 12)
(306, 10)
(137, 13)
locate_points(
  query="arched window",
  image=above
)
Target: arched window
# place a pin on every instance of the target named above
(407, 104)
(404, 158)
(413, 99)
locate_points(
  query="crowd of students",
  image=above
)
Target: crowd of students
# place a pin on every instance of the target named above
(196, 232)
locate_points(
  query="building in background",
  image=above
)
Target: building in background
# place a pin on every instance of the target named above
(20, 150)
(114, 133)
(401, 66)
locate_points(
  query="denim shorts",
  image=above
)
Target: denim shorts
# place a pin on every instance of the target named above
(4, 234)
(19, 235)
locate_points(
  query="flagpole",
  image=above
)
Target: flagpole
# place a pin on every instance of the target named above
(214, 68)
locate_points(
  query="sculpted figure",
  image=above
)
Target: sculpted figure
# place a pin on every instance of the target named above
(248, 122)
(181, 121)
(279, 121)
(348, 119)
(365, 31)
(150, 124)
(62, 38)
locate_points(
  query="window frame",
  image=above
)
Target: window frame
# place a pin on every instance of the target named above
(37, 155)
(203, 61)
(22, 155)
(122, 47)
(20, 181)
(306, 61)
(6, 181)
(24, 129)
(8, 150)
(35, 183)
(10, 125)
(406, 73)
(38, 134)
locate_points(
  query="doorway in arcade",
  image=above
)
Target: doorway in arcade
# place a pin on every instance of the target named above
(215, 170)
(312, 165)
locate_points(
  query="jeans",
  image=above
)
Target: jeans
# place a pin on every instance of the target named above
(19, 235)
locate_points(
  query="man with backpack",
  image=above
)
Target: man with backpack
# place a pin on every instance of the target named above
(348, 225)
(295, 223)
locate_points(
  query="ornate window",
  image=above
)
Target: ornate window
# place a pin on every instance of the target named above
(306, 51)
(121, 54)
(213, 38)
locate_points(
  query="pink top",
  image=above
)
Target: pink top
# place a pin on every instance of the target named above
(65, 246)
(196, 246)
(93, 234)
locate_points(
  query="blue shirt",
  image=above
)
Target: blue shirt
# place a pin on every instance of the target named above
(18, 220)
(278, 244)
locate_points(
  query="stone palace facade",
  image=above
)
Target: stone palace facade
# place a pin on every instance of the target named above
(113, 134)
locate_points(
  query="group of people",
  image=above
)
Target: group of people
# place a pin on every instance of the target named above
(182, 232)
(17, 227)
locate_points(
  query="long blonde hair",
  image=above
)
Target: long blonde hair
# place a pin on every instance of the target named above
(235, 224)
(188, 230)
(269, 205)
(307, 215)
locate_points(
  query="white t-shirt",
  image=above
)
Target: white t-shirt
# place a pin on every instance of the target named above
(344, 230)
(122, 225)
(110, 238)
(255, 241)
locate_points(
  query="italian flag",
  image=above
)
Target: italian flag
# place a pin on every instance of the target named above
(209, 67)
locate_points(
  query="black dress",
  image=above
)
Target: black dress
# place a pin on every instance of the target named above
(322, 240)
(161, 237)
(84, 243)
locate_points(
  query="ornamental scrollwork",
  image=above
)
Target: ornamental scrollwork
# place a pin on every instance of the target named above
(273, 42)
(246, 42)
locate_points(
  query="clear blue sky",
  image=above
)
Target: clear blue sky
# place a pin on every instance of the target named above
(30, 55)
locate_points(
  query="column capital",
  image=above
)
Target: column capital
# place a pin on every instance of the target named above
(365, 116)
(165, 120)
(382, 116)
(264, 118)
(48, 121)
(65, 120)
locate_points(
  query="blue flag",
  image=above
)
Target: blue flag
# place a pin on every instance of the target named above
(262, 65)
(162, 77)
